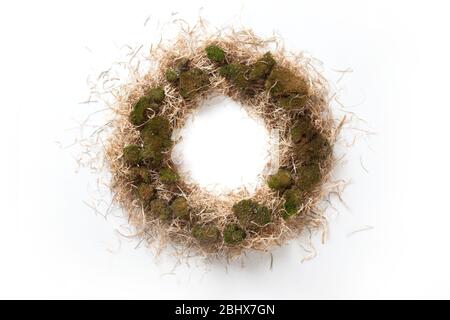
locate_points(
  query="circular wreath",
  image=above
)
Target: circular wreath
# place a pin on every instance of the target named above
(286, 92)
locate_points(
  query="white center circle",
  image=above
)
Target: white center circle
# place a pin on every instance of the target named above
(222, 148)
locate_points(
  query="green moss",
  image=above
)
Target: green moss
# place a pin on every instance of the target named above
(262, 67)
(154, 150)
(283, 82)
(293, 199)
(310, 145)
(302, 131)
(167, 175)
(206, 234)
(316, 150)
(308, 176)
(156, 136)
(140, 174)
(159, 208)
(140, 111)
(156, 94)
(215, 53)
(171, 75)
(293, 102)
(156, 126)
(132, 154)
(146, 192)
(251, 213)
(135, 174)
(181, 64)
(280, 181)
(150, 102)
(237, 74)
(180, 208)
(192, 82)
(233, 234)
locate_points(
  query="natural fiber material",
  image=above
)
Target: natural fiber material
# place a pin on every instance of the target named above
(285, 91)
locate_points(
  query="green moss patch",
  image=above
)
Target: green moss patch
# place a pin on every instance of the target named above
(140, 174)
(251, 214)
(294, 102)
(206, 234)
(302, 131)
(311, 149)
(157, 126)
(280, 181)
(146, 192)
(168, 175)
(171, 75)
(140, 111)
(154, 149)
(293, 199)
(233, 234)
(283, 82)
(132, 154)
(248, 78)
(215, 53)
(180, 208)
(237, 74)
(193, 82)
(308, 176)
(156, 95)
(180, 65)
(316, 150)
(159, 208)
(156, 136)
(262, 67)
(150, 103)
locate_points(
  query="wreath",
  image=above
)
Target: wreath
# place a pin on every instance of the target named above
(287, 93)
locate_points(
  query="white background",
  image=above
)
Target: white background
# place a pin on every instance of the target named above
(52, 245)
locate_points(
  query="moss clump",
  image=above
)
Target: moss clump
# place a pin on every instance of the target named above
(146, 192)
(156, 95)
(181, 65)
(206, 234)
(215, 53)
(251, 213)
(237, 74)
(308, 176)
(293, 102)
(302, 131)
(167, 175)
(192, 82)
(153, 150)
(280, 180)
(139, 114)
(283, 82)
(157, 126)
(159, 208)
(262, 67)
(180, 208)
(233, 234)
(293, 199)
(132, 154)
(156, 136)
(316, 150)
(171, 75)
(310, 145)
(140, 174)
(150, 102)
